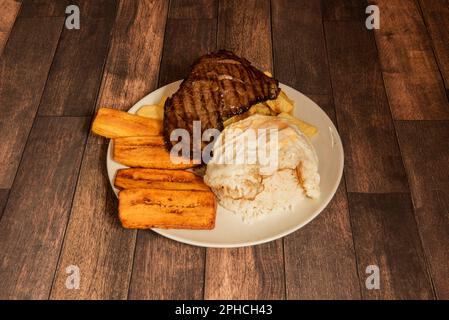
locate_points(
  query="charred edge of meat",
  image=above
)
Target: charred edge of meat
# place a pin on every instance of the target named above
(264, 82)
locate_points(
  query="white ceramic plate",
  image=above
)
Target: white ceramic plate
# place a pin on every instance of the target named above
(230, 230)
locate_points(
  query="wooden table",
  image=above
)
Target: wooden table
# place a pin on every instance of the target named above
(386, 90)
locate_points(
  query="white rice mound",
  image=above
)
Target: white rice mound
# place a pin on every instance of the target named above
(281, 193)
(253, 190)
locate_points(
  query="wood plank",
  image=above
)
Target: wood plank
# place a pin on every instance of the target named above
(165, 269)
(320, 258)
(246, 273)
(373, 161)
(32, 42)
(38, 207)
(176, 63)
(425, 148)
(300, 58)
(193, 9)
(254, 273)
(436, 13)
(179, 273)
(245, 28)
(135, 53)
(385, 235)
(43, 8)
(104, 251)
(95, 240)
(319, 264)
(74, 81)
(3, 199)
(412, 79)
(9, 10)
(344, 10)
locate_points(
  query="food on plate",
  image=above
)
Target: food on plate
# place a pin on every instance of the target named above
(162, 208)
(255, 189)
(112, 123)
(154, 111)
(259, 108)
(137, 178)
(222, 90)
(219, 85)
(305, 127)
(146, 152)
(281, 104)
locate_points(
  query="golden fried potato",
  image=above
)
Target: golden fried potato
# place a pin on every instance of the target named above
(146, 152)
(154, 111)
(162, 102)
(112, 123)
(137, 178)
(170, 209)
(306, 128)
(260, 108)
(281, 104)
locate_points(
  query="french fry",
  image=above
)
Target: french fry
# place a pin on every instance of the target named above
(305, 127)
(162, 102)
(260, 108)
(158, 179)
(154, 111)
(146, 152)
(170, 209)
(281, 104)
(112, 123)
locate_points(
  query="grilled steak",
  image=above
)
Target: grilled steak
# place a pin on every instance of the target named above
(220, 85)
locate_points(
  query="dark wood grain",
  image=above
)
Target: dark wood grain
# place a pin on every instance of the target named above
(43, 8)
(318, 263)
(9, 10)
(131, 71)
(425, 148)
(436, 13)
(254, 272)
(133, 62)
(413, 82)
(3, 199)
(76, 72)
(245, 28)
(300, 57)
(245, 273)
(95, 240)
(372, 158)
(175, 269)
(320, 258)
(165, 269)
(193, 9)
(343, 10)
(35, 218)
(179, 55)
(24, 67)
(385, 235)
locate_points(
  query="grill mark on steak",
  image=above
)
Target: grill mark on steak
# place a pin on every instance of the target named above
(218, 86)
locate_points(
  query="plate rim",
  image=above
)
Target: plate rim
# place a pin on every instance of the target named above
(323, 205)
